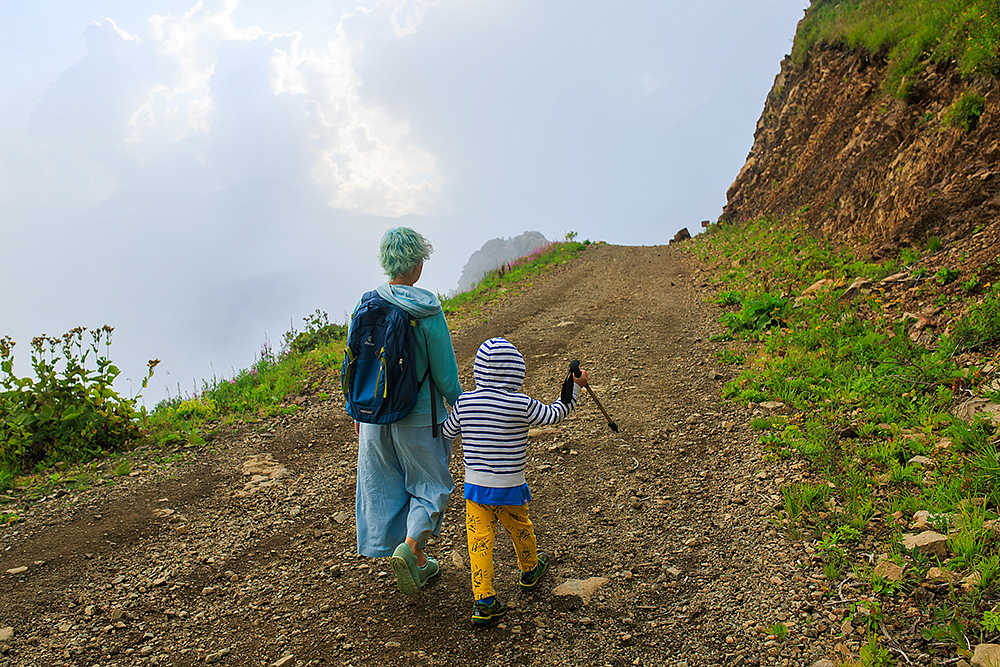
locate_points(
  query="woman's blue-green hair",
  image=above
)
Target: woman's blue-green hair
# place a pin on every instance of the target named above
(401, 250)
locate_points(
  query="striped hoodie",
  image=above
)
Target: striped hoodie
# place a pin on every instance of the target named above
(493, 420)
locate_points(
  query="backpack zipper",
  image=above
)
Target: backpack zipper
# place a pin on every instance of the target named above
(345, 381)
(381, 368)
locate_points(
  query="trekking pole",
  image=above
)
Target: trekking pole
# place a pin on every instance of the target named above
(574, 369)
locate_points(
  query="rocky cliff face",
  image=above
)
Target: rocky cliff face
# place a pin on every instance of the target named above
(835, 151)
(496, 252)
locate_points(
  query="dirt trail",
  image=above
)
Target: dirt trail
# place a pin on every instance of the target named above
(246, 556)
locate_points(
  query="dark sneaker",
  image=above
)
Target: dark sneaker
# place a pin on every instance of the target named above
(529, 579)
(483, 614)
(404, 566)
(430, 569)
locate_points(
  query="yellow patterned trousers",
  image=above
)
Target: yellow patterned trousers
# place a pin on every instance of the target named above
(480, 526)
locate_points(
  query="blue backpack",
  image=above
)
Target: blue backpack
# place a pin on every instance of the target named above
(379, 375)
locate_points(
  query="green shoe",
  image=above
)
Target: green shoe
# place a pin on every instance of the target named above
(430, 569)
(529, 579)
(483, 614)
(404, 565)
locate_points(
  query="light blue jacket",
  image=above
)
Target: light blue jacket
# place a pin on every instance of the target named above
(433, 345)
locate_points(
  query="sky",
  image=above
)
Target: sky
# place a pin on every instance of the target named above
(202, 176)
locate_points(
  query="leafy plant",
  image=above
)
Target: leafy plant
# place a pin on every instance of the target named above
(964, 112)
(318, 332)
(979, 326)
(948, 629)
(946, 275)
(988, 567)
(797, 498)
(123, 468)
(971, 285)
(909, 256)
(759, 312)
(779, 631)
(872, 654)
(867, 612)
(730, 357)
(69, 410)
(865, 399)
(728, 298)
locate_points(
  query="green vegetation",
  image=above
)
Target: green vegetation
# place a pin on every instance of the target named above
(68, 412)
(303, 365)
(495, 281)
(59, 428)
(965, 111)
(909, 34)
(872, 413)
(779, 631)
(979, 328)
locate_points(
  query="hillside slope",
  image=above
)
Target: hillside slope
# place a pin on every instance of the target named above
(494, 254)
(873, 172)
(246, 554)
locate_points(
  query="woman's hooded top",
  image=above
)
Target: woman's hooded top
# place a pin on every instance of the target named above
(433, 346)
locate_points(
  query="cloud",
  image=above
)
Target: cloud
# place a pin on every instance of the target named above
(408, 15)
(198, 183)
(201, 93)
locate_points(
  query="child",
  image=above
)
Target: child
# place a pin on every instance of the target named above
(493, 421)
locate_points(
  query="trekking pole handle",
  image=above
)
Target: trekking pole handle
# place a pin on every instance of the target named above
(574, 367)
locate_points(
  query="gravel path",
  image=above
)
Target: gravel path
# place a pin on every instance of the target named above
(664, 550)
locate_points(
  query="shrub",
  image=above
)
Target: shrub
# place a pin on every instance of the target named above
(319, 332)
(946, 275)
(979, 327)
(69, 411)
(965, 111)
(758, 313)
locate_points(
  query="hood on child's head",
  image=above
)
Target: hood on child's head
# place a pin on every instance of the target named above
(498, 365)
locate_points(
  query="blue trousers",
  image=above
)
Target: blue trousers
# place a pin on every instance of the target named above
(403, 486)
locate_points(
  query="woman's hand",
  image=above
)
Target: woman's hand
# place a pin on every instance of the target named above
(581, 379)
(357, 429)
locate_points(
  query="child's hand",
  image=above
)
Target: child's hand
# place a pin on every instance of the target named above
(581, 379)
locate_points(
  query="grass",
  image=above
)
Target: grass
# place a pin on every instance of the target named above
(495, 282)
(867, 399)
(908, 34)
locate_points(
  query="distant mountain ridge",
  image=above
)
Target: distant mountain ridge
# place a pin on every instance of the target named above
(496, 252)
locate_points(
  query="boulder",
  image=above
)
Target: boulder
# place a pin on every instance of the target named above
(986, 655)
(941, 575)
(929, 543)
(583, 589)
(889, 571)
(978, 407)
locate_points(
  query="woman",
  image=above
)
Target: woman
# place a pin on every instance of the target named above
(403, 479)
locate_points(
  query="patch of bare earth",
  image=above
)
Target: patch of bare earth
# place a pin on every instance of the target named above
(247, 555)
